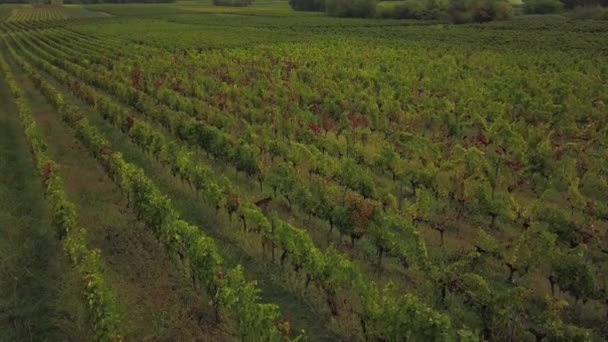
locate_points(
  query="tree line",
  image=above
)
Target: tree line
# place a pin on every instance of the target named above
(456, 11)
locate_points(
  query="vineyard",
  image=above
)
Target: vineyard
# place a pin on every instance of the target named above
(186, 172)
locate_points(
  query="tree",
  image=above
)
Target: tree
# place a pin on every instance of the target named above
(496, 205)
(570, 4)
(383, 238)
(558, 331)
(574, 275)
(395, 318)
(233, 203)
(387, 160)
(542, 6)
(304, 199)
(545, 322)
(351, 8)
(232, 3)
(351, 174)
(322, 208)
(467, 176)
(576, 199)
(560, 224)
(506, 153)
(245, 159)
(262, 172)
(276, 148)
(283, 179)
(480, 298)
(307, 5)
(532, 249)
(462, 11)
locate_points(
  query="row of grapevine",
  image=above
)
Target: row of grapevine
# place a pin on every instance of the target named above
(42, 15)
(320, 198)
(5, 12)
(502, 171)
(98, 295)
(196, 253)
(444, 276)
(469, 173)
(389, 238)
(344, 170)
(487, 134)
(483, 174)
(37, 14)
(329, 270)
(298, 197)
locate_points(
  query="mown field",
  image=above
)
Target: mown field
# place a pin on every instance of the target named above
(188, 172)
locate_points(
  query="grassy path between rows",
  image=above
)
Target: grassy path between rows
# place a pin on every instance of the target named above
(279, 285)
(157, 302)
(39, 295)
(236, 247)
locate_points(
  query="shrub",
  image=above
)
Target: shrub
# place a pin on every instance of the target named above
(480, 11)
(308, 5)
(460, 17)
(412, 9)
(590, 12)
(105, 1)
(542, 6)
(232, 3)
(351, 8)
(570, 4)
(502, 10)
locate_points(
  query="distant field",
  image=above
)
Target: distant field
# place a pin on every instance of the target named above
(205, 173)
(27, 13)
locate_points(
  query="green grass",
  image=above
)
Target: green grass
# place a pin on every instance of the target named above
(40, 297)
(279, 285)
(199, 25)
(482, 56)
(156, 301)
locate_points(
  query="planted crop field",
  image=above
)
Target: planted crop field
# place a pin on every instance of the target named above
(190, 172)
